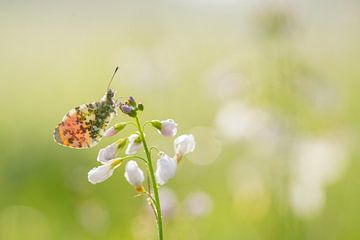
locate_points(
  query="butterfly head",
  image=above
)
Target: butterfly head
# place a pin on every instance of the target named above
(110, 94)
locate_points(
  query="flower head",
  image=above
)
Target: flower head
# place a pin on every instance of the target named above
(183, 145)
(134, 144)
(168, 128)
(166, 169)
(130, 107)
(103, 172)
(133, 174)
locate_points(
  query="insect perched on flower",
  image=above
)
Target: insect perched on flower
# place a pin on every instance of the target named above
(84, 126)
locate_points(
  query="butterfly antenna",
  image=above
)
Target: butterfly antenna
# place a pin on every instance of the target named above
(112, 78)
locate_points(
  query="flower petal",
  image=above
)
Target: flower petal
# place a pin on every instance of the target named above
(100, 174)
(133, 174)
(184, 144)
(166, 169)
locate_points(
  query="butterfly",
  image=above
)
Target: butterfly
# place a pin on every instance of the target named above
(83, 126)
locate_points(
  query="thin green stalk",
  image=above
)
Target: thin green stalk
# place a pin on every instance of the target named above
(153, 180)
(131, 157)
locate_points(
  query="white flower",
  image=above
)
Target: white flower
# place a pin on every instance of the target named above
(107, 153)
(168, 128)
(166, 168)
(134, 144)
(133, 174)
(183, 145)
(103, 172)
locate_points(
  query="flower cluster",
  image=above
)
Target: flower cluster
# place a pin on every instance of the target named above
(110, 158)
(130, 107)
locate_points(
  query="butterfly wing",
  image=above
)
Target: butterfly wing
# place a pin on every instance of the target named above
(83, 126)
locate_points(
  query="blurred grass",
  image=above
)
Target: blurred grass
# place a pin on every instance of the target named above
(56, 56)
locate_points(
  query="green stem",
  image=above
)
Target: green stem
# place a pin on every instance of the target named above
(131, 157)
(153, 147)
(153, 180)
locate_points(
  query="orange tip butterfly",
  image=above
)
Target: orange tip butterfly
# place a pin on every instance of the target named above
(84, 125)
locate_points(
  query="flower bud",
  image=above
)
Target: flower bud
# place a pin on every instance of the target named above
(134, 144)
(126, 108)
(110, 132)
(133, 174)
(168, 128)
(132, 101)
(166, 169)
(183, 145)
(114, 129)
(141, 107)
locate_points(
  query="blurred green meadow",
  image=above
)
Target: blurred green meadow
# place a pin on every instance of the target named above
(270, 90)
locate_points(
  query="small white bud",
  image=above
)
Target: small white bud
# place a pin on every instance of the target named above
(168, 128)
(110, 132)
(166, 169)
(107, 153)
(134, 144)
(183, 145)
(114, 129)
(133, 174)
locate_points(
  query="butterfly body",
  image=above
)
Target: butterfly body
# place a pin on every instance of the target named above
(83, 126)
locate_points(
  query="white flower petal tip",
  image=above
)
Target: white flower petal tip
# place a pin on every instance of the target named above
(100, 174)
(134, 144)
(168, 128)
(166, 169)
(183, 145)
(134, 175)
(108, 153)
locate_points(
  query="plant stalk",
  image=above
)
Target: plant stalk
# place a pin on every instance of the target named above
(153, 180)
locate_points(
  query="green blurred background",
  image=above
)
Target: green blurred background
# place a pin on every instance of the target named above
(270, 89)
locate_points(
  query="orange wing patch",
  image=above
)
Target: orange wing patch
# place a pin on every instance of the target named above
(83, 126)
(74, 130)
